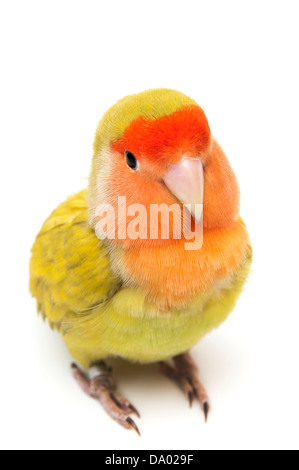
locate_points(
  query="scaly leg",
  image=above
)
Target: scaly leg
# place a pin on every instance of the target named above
(100, 386)
(184, 371)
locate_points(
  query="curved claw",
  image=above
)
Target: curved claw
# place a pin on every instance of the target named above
(134, 410)
(133, 425)
(124, 404)
(206, 409)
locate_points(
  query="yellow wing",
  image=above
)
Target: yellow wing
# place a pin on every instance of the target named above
(70, 269)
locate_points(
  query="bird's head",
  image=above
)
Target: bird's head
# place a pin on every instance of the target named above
(156, 147)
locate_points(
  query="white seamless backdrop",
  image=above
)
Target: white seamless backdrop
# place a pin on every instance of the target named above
(63, 63)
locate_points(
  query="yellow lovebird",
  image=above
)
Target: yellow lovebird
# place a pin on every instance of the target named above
(152, 256)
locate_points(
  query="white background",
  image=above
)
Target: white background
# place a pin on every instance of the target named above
(63, 63)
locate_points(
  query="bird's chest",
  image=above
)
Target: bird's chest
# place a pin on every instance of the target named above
(171, 276)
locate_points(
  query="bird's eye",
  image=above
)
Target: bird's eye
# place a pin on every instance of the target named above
(131, 160)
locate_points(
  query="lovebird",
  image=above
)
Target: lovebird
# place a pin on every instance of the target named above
(117, 277)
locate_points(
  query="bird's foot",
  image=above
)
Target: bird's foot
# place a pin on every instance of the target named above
(99, 384)
(185, 373)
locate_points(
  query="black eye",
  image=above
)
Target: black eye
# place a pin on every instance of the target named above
(131, 160)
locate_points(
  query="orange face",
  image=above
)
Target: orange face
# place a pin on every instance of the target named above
(155, 162)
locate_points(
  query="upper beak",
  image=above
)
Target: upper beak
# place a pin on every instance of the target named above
(185, 180)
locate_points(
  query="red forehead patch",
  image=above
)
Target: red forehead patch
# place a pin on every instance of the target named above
(186, 131)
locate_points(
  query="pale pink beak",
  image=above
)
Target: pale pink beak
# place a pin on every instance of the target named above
(185, 180)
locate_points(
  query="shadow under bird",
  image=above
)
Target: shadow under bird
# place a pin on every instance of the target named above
(145, 299)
